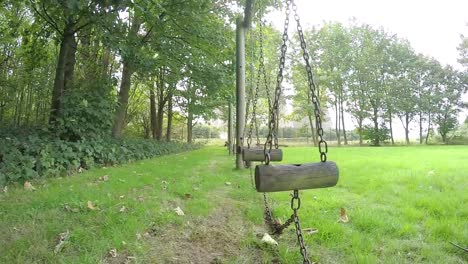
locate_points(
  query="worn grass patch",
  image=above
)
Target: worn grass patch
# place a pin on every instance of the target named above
(405, 205)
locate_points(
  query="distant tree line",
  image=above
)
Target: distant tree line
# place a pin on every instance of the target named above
(378, 78)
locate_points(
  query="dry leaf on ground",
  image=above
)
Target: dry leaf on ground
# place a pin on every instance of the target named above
(62, 239)
(112, 253)
(123, 209)
(91, 206)
(104, 178)
(68, 208)
(179, 211)
(28, 186)
(310, 231)
(269, 240)
(343, 216)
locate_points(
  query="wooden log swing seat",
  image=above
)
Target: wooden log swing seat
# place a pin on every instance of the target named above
(258, 154)
(278, 178)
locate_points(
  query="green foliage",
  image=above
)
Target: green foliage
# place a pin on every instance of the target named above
(23, 158)
(376, 136)
(88, 115)
(205, 131)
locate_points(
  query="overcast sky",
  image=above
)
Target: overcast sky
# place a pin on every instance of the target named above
(432, 27)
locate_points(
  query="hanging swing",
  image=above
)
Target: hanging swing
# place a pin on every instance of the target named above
(257, 153)
(293, 177)
(275, 178)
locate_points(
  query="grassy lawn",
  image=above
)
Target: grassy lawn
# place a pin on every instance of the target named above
(405, 205)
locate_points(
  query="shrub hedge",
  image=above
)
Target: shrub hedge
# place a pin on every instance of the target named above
(27, 157)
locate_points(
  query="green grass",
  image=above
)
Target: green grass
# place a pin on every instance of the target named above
(405, 205)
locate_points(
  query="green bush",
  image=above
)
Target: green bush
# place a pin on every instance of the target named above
(26, 157)
(376, 137)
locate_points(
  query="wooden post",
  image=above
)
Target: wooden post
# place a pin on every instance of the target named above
(230, 128)
(277, 178)
(240, 91)
(241, 26)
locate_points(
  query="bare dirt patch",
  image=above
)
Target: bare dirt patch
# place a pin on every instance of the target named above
(218, 238)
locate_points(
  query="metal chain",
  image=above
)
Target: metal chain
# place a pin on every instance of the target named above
(261, 71)
(272, 138)
(323, 147)
(300, 238)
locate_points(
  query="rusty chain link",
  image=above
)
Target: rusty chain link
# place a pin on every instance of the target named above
(272, 138)
(323, 147)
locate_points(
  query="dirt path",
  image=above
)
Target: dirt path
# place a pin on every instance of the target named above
(219, 238)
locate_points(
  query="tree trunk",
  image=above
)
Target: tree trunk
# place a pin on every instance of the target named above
(376, 126)
(360, 131)
(127, 72)
(312, 128)
(105, 66)
(189, 127)
(420, 128)
(342, 121)
(29, 104)
(62, 71)
(407, 128)
(337, 123)
(390, 119)
(20, 107)
(121, 110)
(2, 109)
(70, 62)
(169, 115)
(428, 127)
(153, 119)
(161, 104)
(160, 116)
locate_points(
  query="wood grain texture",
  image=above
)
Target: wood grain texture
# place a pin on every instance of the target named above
(258, 154)
(278, 178)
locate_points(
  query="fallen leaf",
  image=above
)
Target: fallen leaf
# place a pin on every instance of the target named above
(269, 240)
(28, 186)
(104, 178)
(227, 183)
(124, 243)
(310, 231)
(141, 198)
(62, 239)
(122, 196)
(68, 208)
(343, 217)
(123, 209)
(139, 236)
(91, 206)
(112, 253)
(179, 211)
